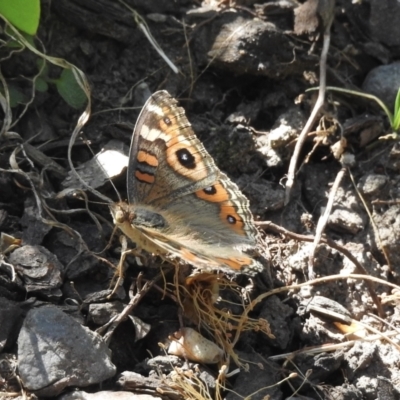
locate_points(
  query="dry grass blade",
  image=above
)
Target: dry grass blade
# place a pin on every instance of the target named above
(5, 105)
(10, 266)
(323, 220)
(145, 29)
(376, 230)
(94, 217)
(44, 161)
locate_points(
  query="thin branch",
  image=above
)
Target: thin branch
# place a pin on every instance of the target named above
(318, 105)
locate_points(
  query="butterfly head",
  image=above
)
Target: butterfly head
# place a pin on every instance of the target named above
(120, 213)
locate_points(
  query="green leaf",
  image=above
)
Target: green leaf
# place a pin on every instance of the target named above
(69, 89)
(23, 14)
(13, 44)
(396, 123)
(17, 43)
(16, 95)
(41, 85)
(396, 119)
(43, 66)
(397, 102)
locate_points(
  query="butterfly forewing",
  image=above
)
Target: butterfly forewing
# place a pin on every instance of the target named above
(166, 158)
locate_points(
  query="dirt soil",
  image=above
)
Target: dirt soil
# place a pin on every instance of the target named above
(244, 68)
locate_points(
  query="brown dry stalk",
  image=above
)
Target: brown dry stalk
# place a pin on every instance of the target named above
(134, 301)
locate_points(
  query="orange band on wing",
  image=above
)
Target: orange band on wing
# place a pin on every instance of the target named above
(188, 255)
(172, 124)
(143, 177)
(235, 263)
(229, 214)
(147, 158)
(180, 137)
(215, 193)
(197, 173)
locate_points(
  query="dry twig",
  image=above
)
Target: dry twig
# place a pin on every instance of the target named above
(327, 18)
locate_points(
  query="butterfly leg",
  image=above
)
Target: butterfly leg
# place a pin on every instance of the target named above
(119, 274)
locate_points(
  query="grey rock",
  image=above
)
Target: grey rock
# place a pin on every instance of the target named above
(388, 225)
(326, 308)
(8, 365)
(40, 270)
(299, 258)
(383, 82)
(263, 195)
(10, 314)
(322, 365)
(34, 227)
(384, 21)
(286, 128)
(344, 392)
(372, 184)
(273, 144)
(246, 45)
(378, 51)
(153, 383)
(105, 395)
(349, 221)
(66, 248)
(208, 379)
(259, 381)
(371, 366)
(164, 363)
(55, 351)
(278, 316)
(245, 111)
(360, 356)
(101, 313)
(393, 162)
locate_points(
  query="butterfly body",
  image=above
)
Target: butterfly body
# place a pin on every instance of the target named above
(179, 202)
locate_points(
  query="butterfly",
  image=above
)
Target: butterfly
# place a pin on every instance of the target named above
(179, 202)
